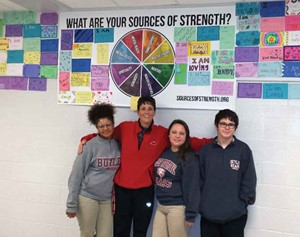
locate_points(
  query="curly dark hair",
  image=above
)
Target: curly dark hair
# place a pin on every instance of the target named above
(99, 111)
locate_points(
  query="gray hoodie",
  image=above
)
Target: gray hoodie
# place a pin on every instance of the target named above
(93, 172)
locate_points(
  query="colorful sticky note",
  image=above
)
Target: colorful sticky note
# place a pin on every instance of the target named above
(30, 70)
(275, 90)
(49, 72)
(83, 97)
(66, 40)
(49, 58)
(32, 44)
(291, 69)
(185, 34)
(208, 33)
(247, 8)
(102, 53)
(32, 30)
(100, 84)
(249, 90)
(19, 17)
(18, 83)
(222, 88)
(104, 35)
(4, 43)
(198, 78)
(246, 70)
(272, 9)
(64, 81)
(37, 84)
(246, 54)
(84, 36)
(180, 74)
(49, 18)
(247, 38)
(269, 69)
(294, 91)
(49, 45)
(15, 56)
(133, 102)
(49, 31)
(81, 65)
(15, 43)
(291, 53)
(82, 50)
(13, 30)
(4, 83)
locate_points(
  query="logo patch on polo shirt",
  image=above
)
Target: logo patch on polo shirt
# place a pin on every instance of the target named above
(235, 164)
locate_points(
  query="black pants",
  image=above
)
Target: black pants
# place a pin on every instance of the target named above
(234, 228)
(133, 206)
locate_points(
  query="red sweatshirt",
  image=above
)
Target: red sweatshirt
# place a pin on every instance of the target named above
(136, 170)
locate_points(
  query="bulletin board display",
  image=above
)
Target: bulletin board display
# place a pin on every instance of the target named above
(28, 50)
(182, 57)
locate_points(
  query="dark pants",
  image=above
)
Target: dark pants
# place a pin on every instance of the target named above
(234, 228)
(133, 205)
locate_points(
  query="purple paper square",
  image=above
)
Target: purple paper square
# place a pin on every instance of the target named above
(37, 84)
(49, 18)
(13, 30)
(49, 58)
(66, 40)
(31, 70)
(4, 83)
(18, 83)
(249, 90)
(246, 54)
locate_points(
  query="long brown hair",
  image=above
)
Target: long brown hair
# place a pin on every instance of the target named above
(186, 146)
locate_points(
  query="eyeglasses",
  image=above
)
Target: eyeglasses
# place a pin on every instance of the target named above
(102, 126)
(229, 125)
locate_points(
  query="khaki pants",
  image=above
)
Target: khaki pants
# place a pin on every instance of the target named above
(94, 217)
(169, 221)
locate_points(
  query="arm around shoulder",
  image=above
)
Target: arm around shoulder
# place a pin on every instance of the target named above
(198, 143)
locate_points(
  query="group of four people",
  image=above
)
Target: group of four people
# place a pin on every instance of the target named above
(120, 168)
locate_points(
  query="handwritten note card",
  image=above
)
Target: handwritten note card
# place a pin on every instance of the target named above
(270, 54)
(49, 18)
(291, 69)
(181, 49)
(199, 78)
(37, 84)
(246, 70)
(269, 69)
(64, 81)
(180, 74)
(247, 8)
(185, 34)
(272, 24)
(222, 88)
(292, 23)
(13, 30)
(104, 35)
(275, 90)
(247, 38)
(208, 33)
(66, 40)
(246, 54)
(291, 53)
(272, 9)
(294, 91)
(249, 90)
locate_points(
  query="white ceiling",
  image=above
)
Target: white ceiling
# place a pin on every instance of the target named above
(92, 5)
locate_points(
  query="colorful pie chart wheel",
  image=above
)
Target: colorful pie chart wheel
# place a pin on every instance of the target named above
(142, 63)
